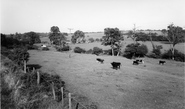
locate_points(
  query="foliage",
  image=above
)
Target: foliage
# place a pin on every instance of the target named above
(109, 51)
(77, 35)
(25, 92)
(135, 50)
(146, 37)
(79, 50)
(112, 37)
(31, 37)
(90, 51)
(91, 40)
(97, 50)
(55, 36)
(97, 39)
(45, 48)
(65, 48)
(178, 56)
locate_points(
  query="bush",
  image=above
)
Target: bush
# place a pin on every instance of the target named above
(90, 51)
(45, 48)
(109, 52)
(65, 48)
(97, 39)
(135, 50)
(97, 50)
(178, 56)
(79, 50)
(31, 47)
(91, 40)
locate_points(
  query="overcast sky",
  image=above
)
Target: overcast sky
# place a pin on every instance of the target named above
(89, 15)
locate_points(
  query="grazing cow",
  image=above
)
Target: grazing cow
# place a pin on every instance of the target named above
(116, 65)
(100, 60)
(140, 61)
(135, 62)
(162, 62)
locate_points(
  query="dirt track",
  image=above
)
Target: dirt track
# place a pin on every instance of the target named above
(133, 87)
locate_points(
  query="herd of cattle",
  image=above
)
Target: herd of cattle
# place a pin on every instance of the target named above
(116, 65)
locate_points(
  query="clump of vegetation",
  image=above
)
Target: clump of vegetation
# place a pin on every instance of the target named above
(135, 50)
(78, 36)
(24, 90)
(178, 56)
(90, 51)
(97, 50)
(79, 50)
(91, 40)
(156, 52)
(45, 48)
(65, 48)
(109, 51)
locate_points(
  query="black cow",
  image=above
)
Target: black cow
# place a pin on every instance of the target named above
(162, 62)
(100, 60)
(116, 65)
(135, 62)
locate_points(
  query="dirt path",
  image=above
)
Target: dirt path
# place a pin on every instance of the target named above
(132, 87)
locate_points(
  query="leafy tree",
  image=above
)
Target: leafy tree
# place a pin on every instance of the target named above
(135, 50)
(113, 37)
(78, 35)
(31, 37)
(56, 37)
(175, 36)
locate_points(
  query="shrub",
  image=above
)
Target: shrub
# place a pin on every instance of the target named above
(178, 56)
(135, 50)
(45, 48)
(109, 52)
(65, 48)
(91, 40)
(79, 50)
(31, 47)
(97, 39)
(97, 50)
(90, 51)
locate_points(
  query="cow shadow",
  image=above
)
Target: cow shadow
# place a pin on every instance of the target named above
(33, 66)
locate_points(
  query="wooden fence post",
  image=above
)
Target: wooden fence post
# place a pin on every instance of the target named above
(69, 101)
(62, 90)
(38, 77)
(24, 66)
(53, 91)
(77, 106)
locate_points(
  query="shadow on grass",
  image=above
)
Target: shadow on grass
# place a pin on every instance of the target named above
(31, 66)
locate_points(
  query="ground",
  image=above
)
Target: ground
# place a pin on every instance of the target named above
(146, 86)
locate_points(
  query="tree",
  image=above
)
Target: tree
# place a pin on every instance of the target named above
(175, 35)
(78, 36)
(31, 37)
(132, 34)
(56, 37)
(113, 37)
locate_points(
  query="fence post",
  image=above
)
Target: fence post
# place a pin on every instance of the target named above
(24, 66)
(77, 106)
(62, 90)
(53, 91)
(69, 101)
(38, 78)
(33, 70)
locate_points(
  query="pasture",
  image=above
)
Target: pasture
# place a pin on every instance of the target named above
(146, 86)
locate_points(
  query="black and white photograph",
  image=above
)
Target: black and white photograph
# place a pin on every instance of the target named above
(92, 54)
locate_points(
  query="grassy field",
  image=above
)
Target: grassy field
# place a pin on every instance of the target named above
(147, 86)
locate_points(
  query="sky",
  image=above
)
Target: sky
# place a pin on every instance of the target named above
(89, 15)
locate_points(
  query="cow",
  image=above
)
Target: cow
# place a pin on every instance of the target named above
(100, 60)
(162, 62)
(140, 61)
(116, 65)
(135, 62)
